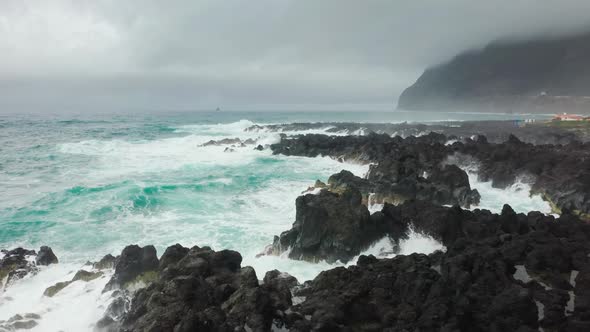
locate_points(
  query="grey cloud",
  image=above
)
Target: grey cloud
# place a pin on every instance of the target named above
(184, 53)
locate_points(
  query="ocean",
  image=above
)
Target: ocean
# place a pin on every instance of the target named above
(88, 185)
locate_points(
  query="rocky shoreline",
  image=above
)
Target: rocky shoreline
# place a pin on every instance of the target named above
(500, 272)
(418, 167)
(503, 271)
(498, 131)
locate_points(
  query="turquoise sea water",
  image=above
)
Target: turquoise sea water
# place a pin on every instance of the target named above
(88, 185)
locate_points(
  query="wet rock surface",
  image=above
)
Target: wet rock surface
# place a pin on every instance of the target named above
(560, 172)
(46, 256)
(400, 169)
(17, 263)
(495, 131)
(107, 262)
(81, 275)
(20, 322)
(133, 263)
(500, 272)
(199, 289)
(473, 286)
(233, 142)
(328, 226)
(416, 167)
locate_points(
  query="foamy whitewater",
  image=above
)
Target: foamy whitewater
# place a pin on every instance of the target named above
(89, 187)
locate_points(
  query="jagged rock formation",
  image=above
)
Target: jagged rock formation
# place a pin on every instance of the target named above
(233, 142)
(46, 256)
(134, 265)
(545, 75)
(328, 226)
(81, 275)
(494, 131)
(17, 263)
(399, 170)
(559, 172)
(199, 289)
(500, 272)
(20, 322)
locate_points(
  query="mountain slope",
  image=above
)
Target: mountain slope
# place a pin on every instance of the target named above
(541, 75)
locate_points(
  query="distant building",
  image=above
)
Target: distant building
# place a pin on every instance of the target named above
(568, 117)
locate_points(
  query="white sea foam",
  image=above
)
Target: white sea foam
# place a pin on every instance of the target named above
(119, 158)
(384, 248)
(419, 243)
(451, 142)
(166, 191)
(415, 242)
(75, 308)
(518, 196)
(372, 205)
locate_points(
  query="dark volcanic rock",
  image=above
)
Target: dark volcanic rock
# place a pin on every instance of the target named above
(452, 184)
(172, 255)
(17, 263)
(208, 291)
(328, 226)
(500, 272)
(225, 141)
(107, 262)
(407, 293)
(474, 286)
(495, 131)
(560, 173)
(46, 256)
(345, 180)
(134, 262)
(398, 174)
(412, 168)
(20, 322)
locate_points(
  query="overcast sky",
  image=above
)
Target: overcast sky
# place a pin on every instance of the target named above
(246, 54)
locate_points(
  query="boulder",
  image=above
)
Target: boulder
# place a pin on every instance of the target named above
(172, 255)
(205, 291)
(452, 185)
(16, 264)
(105, 263)
(561, 173)
(134, 262)
(46, 256)
(81, 275)
(328, 226)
